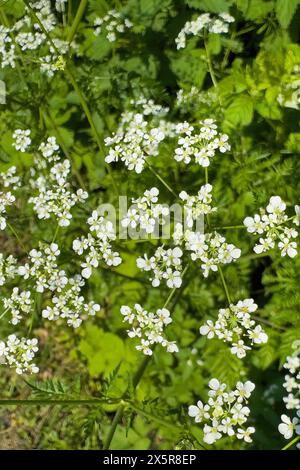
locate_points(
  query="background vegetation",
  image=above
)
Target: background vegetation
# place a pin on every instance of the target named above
(252, 65)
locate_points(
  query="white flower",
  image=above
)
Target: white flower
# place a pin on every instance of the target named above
(216, 25)
(211, 433)
(245, 434)
(239, 349)
(112, 23)
(244, 390)
(287, 427)
(165, 264)
(276, 205)
(199, 412)
(149, 327)
(22, 139)
(271, 223)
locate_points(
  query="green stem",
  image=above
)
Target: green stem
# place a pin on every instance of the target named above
(290, 444)
(76, 22)
(161, 180)
(117, 418)
(211, 70)
(89, 116)
(230, 227)
(136, 379)
(224, 284)
(38, 401)
(55, 234)
(17, 237)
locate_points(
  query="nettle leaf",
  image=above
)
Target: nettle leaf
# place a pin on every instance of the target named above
(240, 111)
(285, 10)
(258, 9)
(214, 6)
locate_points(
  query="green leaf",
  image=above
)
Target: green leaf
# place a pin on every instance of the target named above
(285, 10)
(240, 111)
(258, 9)
(214, 6)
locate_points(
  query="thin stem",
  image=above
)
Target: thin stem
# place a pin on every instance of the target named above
(290, 444)
(55, 234)
(206, 175)
(88, 114)
(230, 227)
(211, 70)
(136, 379)
(17, 237)
(224, 284)
(117, 418)
(76, 22)
(267, 322)
(159, 421)
(59, 401)
(161, 180)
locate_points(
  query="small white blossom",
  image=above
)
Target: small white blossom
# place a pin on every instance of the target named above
(165, 265)
(271, 223)
(22, 139)
(112, 24)
(234, 325)
(217, 25)
(225, 413)
(19, 354)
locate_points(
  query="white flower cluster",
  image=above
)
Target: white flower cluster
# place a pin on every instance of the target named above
(113, 23)
(70, 304)
(234, 325)
(211, 248)
(19, 354)
(270, 223)
(60, 5)
(8, 178)
(55, 60)
(217, 25)
(6, 199)
(42, 268)
(196, 206)
(192, 99)
(146, 212)
(22, 139)
(18, 303)
(289, 95)
(8, 268)
(165, 264)
(292, 401)
(226, 412)
(54, 193)
(29, 36)
(97, 244)
(139, 135)
(292, 380)
(200, 144)
(148, 327)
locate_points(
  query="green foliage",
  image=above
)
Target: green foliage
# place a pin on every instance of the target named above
(247, 80)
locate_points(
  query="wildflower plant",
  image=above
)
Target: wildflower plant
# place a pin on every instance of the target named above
(149, 214)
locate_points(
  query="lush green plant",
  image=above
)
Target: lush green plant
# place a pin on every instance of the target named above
(81, 81)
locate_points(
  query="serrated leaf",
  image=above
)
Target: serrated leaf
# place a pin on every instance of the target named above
(240, 111)
(285, 10)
